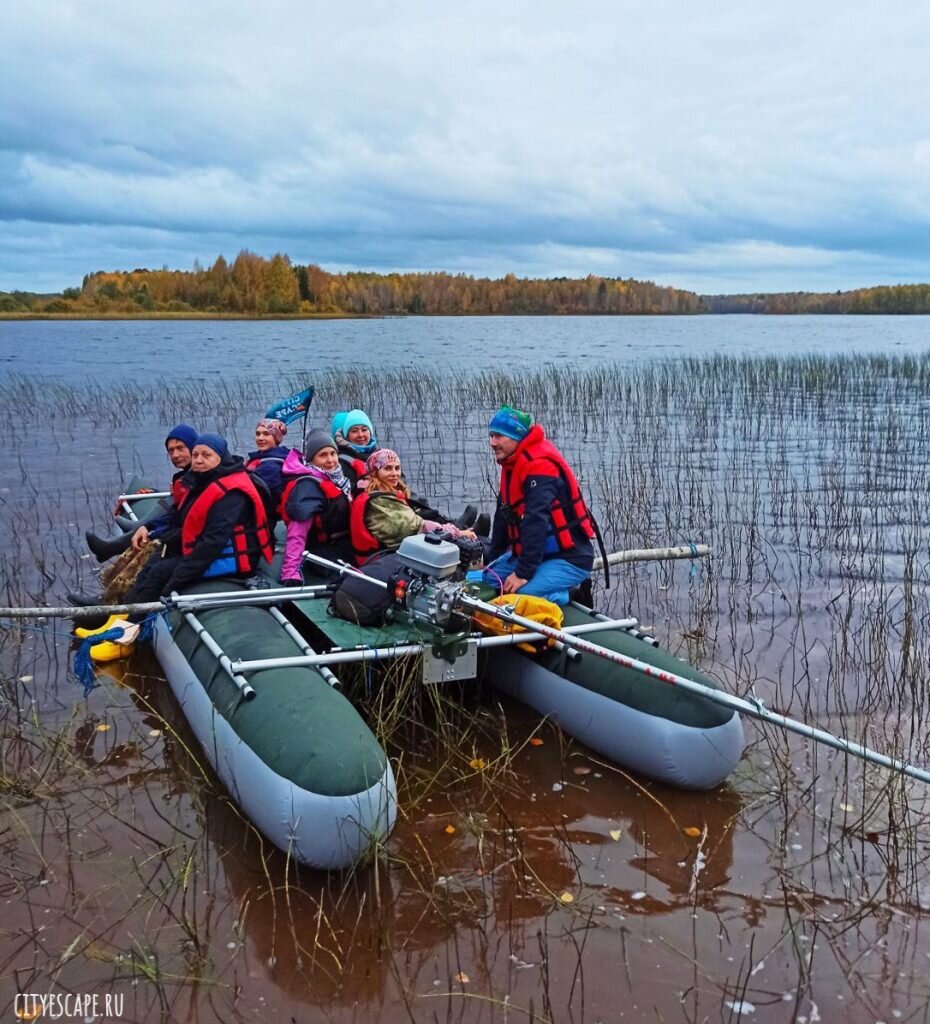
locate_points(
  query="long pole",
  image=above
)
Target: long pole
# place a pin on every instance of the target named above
(222, 599)
(751, 708)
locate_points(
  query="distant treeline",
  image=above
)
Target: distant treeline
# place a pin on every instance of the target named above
(899, 298)
(254, 286)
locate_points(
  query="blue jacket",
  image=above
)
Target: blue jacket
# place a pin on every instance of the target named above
(268, 466)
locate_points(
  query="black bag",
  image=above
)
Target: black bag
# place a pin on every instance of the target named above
(365, 603)
(268, 499)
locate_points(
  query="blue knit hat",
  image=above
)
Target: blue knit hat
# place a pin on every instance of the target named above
(511, 423)
(356, 418)
(214, 442)
(184, 433)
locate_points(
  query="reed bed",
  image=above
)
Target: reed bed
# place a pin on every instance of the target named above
(514, 886)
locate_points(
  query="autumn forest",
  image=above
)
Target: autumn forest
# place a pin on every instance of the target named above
(253, 286)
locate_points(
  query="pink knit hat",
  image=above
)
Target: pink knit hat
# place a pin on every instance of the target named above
(276, 428)
(381, 457)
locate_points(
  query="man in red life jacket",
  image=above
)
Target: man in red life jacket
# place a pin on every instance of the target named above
(541, 541)
(224, 526)
(164, 525)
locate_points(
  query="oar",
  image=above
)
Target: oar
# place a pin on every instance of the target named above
(754, 709)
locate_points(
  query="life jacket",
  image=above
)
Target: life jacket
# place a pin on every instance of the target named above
(568, 519)
(330, 524)
(353, 468)
(364, 542)
(247, 544)
(180, 488)
(253, 464)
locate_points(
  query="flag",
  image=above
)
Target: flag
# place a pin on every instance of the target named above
(289, 409)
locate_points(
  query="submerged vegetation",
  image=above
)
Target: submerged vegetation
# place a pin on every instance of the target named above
(526, 879)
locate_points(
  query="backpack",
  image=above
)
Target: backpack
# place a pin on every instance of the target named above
(268, 500)
(365, 603)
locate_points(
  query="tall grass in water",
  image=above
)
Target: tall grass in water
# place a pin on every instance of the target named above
(807, 476)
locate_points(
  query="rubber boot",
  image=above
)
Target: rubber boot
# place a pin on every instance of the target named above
(81, 600)
(482, 525)
(466, 520)
(104, 549)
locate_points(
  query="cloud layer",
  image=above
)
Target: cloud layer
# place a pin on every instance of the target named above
(721, 150)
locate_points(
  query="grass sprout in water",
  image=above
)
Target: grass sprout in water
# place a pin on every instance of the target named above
(526, 879)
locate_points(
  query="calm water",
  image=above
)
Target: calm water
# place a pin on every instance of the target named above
(565, 891)
(175, 349)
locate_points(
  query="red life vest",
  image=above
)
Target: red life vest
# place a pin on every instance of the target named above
(333, 522)
(364, 542)
(537, 456)
(179, 488)
(245, 549)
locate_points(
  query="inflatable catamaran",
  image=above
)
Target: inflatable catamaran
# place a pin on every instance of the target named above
(256, 674)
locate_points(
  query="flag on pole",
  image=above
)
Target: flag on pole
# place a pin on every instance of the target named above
(289, 409)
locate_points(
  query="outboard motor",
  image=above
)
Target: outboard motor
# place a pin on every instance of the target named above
(433, 577)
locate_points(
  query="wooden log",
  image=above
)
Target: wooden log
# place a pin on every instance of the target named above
(653, 555)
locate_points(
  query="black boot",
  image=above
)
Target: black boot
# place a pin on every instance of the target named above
(105, 549)
(482, 525)
(81, 600)
(467, 518)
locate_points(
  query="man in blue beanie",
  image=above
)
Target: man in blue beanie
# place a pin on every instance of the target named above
(179, 443)
(542, 533)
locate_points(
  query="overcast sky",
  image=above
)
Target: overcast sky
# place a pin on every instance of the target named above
(719, 147)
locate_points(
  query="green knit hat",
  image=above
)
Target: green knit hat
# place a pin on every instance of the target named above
(511, 423)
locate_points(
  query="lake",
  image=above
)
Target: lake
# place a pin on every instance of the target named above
(544, 884)
(120, 350)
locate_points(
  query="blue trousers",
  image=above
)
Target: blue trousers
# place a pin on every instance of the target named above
(552, 580)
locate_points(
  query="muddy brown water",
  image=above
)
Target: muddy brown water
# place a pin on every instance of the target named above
(527, 879)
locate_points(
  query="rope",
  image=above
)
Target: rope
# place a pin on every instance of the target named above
(694, 555)
(84, 666)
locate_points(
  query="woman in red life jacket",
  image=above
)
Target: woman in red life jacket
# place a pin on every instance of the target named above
(315, 506)
(268, 458)
(381, 517)
(224, 527)
(541, 543)
(355, 440)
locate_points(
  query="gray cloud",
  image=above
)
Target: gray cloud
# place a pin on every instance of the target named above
(785, 148)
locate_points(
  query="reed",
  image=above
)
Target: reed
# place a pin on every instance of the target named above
(807, 477)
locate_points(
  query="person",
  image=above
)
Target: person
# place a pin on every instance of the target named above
(224, 527)
(268, 458)
(315, 506)
(355, 440)
(382, 517)
(163, 525)
(541, 540)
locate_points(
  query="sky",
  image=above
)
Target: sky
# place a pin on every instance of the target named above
(719, 147)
